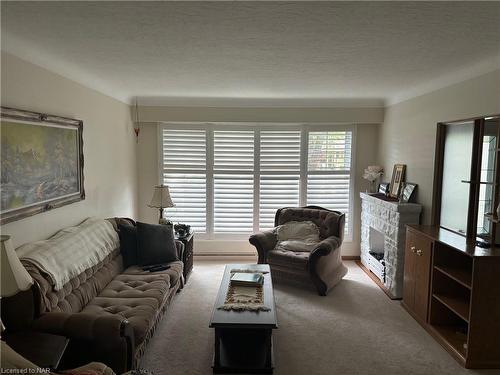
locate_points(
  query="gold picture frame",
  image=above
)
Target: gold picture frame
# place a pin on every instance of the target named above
(398, 176)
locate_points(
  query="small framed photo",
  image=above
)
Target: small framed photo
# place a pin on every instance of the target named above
(398, 175)
(407, 191)
(383, 188)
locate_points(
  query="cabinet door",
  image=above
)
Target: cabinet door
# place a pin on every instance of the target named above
(422, 256)
(409, 271)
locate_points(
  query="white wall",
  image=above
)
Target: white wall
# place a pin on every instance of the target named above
(108, 143)
(366, 153)
(408, 134)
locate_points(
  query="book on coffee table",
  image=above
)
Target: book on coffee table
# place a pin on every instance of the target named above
(246, 279)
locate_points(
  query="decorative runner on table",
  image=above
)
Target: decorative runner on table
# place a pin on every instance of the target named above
(245, 298)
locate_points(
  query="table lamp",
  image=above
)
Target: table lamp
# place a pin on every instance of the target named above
(161, 200)
(14, 277)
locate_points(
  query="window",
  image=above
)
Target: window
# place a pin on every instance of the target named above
(279, 173)
(184, 170)
(233, 181)
(329, 170)
(228, 180)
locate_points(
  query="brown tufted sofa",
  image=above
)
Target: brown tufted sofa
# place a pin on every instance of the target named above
(321, 268)
(108, 312)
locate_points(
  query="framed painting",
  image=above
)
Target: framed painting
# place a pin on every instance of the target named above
(398, 175)
(41, 164)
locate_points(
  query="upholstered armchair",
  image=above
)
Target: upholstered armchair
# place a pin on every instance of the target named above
(322, 267)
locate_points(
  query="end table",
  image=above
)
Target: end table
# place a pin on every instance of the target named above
(43, 349)
(187, 258)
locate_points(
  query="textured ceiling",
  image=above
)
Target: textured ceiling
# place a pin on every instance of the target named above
(256, 52)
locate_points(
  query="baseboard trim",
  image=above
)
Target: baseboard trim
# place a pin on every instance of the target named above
(215, 254)
(228, 254)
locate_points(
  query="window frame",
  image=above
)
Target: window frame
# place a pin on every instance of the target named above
(304, 128)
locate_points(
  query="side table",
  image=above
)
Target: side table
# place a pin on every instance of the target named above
(43, 349)
(188, 241)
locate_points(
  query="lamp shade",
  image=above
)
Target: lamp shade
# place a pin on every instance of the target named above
(161, 197)
(14, 277)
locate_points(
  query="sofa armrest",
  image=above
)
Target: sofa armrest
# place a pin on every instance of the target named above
(110, 336)
(326, 246)
(263, 242)
(323, 261)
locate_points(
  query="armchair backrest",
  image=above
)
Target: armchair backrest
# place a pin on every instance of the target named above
(329, 222)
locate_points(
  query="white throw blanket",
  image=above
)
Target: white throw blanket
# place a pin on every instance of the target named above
(297, 236)
(72, 250)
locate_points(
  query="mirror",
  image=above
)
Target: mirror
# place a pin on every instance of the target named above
(456, 172)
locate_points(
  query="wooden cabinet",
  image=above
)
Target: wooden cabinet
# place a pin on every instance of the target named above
(187, 257)
(417, 268)
(451, 288)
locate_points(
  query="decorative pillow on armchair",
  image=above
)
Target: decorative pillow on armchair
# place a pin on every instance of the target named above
(155, 244)
(297, 236)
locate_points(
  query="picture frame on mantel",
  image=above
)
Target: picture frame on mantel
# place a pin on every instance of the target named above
(41, 164)
(398, 175)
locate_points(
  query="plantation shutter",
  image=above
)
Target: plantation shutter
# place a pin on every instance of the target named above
(185, 172)
(233, 170)
(329, 170)
(279, 173)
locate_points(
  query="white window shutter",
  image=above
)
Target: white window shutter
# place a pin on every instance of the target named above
(279, 173)
(233, 181)
(184, 171)
(329, 170)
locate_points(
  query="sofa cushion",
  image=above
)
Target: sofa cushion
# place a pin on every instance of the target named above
(174, 272)
(155, 244)
(293, 259)
(78, 291)
(128, 243)
(137, 286)
(140, 312)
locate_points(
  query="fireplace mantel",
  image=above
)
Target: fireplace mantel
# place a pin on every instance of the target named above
(388, 219)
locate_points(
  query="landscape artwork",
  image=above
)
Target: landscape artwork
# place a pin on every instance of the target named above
(40, 167)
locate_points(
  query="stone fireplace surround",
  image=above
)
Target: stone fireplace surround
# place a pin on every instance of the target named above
(388, 218)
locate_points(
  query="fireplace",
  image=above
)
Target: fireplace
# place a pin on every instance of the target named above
(383, 239)
(376, 262)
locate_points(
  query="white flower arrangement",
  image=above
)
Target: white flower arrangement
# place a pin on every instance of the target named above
(372, 173)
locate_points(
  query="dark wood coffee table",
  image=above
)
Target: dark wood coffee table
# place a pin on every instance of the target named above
(243, 339)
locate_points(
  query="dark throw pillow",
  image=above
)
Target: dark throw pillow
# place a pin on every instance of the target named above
(155, 244)
(128, 243)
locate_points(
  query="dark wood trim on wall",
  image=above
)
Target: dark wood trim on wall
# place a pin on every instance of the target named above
(475, 177)
(438, 174)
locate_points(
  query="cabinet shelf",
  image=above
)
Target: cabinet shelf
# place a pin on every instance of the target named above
(453, 338)
(457, 305)
(479, 182)
(463, 277)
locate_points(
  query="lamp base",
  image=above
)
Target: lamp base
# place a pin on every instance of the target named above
(165, 221)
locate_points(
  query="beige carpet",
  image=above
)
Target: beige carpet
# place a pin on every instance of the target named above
(356, 329)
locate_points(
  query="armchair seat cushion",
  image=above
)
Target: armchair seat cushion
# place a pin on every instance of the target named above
(292, 259)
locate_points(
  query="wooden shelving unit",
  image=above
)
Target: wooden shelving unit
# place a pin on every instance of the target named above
(463, 296)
